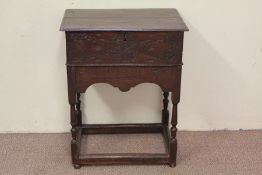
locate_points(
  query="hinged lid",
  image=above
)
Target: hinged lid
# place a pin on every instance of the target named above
(122, 20)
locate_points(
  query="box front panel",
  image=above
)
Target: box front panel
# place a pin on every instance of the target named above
(144, 48)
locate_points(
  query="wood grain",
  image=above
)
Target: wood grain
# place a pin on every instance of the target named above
(122, 20)
(124, 48)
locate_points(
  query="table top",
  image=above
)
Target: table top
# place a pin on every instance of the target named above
(122, 20)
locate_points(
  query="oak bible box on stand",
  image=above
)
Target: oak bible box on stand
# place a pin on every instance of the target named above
(124, 47)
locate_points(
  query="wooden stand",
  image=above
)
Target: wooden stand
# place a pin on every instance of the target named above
(132, 158)
(103, 48)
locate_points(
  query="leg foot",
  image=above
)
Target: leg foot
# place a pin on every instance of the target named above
(77, 166)
(173, 152)
(172, 165)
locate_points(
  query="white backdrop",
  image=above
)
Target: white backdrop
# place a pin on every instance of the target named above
(222, 75)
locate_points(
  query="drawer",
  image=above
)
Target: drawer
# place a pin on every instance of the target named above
(124, 48)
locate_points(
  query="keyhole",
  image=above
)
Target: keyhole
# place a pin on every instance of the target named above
(125, 36)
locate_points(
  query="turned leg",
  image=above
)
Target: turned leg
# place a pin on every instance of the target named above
(75, 113)
(76, 122)
(165, 112)
(78, 109)
(74, 131)
(173, 141)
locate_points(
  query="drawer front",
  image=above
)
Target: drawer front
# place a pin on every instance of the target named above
(149, 48)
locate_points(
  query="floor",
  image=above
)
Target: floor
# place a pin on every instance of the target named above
(213, 152)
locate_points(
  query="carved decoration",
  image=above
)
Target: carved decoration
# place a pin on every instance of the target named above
(128, 77)
(124, 47)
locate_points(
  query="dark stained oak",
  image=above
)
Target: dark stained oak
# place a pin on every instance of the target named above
(120, 158)
(122, 128)
(123, 48)
(122, 20)
(127, 77)
(165, 112)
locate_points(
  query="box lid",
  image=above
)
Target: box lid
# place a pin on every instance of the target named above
(122, 20)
